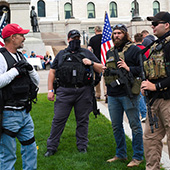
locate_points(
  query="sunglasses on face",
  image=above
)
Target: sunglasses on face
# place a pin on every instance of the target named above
(156, 23)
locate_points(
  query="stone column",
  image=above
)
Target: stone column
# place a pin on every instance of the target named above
(72, 24)
(20, 13)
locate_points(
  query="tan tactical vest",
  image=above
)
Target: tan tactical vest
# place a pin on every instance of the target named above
(111, 64)
(155, 65)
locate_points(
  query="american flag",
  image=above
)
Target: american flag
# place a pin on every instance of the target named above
(2, 25)
(106, 42)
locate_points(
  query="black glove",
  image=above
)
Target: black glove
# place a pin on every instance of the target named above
(28, 67)
(21, 67)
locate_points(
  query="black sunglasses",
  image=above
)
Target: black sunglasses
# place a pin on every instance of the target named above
(155, 23)
(120, 26)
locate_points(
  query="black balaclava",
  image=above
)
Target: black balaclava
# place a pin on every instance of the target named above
(74, 45)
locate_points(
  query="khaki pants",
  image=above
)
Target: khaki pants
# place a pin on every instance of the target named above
(153, 141)
(99, 86)
(98, 90)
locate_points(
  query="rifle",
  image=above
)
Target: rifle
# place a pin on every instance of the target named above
(1, 110)
(152, 120)
(125, 77)
(95, 82)
(95, 110)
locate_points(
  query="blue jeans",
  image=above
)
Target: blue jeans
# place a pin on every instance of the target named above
(21, 123)
(117, 106)
(142, 106)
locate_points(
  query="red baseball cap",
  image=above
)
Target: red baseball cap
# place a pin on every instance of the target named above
(12, 29)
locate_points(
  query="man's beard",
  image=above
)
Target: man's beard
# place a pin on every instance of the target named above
(118, 42)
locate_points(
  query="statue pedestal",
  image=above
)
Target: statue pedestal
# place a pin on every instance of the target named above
(136, 18)
(20, 14)
(71, 24)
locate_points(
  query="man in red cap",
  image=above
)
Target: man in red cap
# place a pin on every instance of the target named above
(16, 79)
(157, 68)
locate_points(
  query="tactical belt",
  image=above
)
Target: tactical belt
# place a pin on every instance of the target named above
(72, 85)
(9, 109)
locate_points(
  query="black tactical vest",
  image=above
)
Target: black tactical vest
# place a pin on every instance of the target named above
(15, 93)
(72, 72)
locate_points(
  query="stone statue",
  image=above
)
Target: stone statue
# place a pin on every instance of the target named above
(34, 21)
(136, 10)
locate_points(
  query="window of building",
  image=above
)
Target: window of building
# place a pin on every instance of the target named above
(90, 10)
(133, 8)
(156, 7)
(41, 8)
(91, 30)
(68, 11)
(113, 9)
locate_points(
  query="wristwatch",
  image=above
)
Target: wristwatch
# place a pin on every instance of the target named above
(92, 63)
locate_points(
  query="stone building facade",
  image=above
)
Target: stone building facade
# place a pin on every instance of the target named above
(56, 10)
(59, 16)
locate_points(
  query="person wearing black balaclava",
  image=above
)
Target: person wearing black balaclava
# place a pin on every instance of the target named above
(72, 68)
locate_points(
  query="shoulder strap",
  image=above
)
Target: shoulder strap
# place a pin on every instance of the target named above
(9, 59)
(167, 39)
(166, 35)
(127, 46)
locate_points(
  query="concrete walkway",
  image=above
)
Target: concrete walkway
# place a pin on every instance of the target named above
(104, 110)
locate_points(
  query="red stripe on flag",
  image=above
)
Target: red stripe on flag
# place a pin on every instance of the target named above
(108, 44)
(103, 58)
(1, 44)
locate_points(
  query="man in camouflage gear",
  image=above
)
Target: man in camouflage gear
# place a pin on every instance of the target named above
(157, 69)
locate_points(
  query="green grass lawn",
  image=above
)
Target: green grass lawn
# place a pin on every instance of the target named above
(100, 148)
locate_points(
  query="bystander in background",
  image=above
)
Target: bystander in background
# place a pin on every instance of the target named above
(148, 39)
(24, 53)
(138, 38)
(32, 54)
(47, 60)
(95, 47)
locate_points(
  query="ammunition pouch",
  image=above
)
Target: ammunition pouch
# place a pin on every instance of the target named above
(166, 94)
(56, 84)
(136, 86)
(110, 75)
(155, 68)
(28, 106)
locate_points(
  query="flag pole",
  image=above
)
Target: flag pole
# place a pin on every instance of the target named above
(105, 15)
(2, 25)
